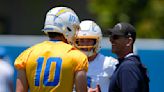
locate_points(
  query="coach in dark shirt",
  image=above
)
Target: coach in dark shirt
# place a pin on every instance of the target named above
(130, 75)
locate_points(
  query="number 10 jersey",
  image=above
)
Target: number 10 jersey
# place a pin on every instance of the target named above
(51, 66)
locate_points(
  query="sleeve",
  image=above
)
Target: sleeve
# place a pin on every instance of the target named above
(128, 80)
(80, 59)
(20, 62)
(110, 65)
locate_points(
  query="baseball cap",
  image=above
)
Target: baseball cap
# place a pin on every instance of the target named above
(123, 29)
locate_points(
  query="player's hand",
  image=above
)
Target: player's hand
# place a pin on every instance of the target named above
(97, 89)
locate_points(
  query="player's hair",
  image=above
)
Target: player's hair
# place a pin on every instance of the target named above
(54, 34)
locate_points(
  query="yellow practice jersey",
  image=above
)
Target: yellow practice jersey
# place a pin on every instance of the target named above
(51, 66)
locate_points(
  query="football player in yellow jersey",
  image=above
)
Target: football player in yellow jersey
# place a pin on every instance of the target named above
(54, 65)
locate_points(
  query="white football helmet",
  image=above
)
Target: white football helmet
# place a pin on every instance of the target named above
(62, 20)
(89, 30)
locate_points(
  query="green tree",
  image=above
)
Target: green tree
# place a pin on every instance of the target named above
(151, 24)
(145, 15)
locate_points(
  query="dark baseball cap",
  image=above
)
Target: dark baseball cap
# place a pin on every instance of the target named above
(123, 29)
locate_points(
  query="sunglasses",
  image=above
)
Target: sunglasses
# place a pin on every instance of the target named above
(115, 37)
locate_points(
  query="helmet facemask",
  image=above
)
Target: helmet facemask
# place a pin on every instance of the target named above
(87, 45)
(70, 33)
